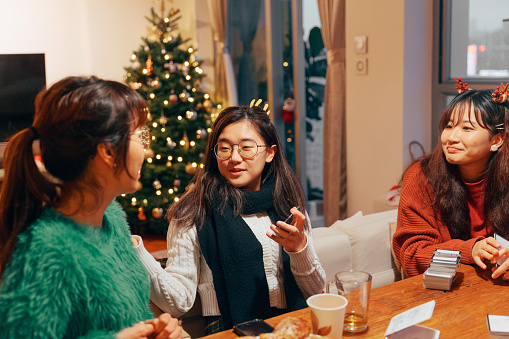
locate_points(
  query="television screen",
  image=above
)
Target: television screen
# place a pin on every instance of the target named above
(22, 76)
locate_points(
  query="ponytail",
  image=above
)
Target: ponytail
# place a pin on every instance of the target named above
(24, 192)
(71, 118)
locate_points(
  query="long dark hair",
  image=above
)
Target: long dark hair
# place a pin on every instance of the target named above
(72, 117)
(450, 192)
(209, 184)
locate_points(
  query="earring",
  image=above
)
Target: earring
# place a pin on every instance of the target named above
(494, 148)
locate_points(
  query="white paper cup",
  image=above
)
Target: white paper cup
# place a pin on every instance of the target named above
(327, 313)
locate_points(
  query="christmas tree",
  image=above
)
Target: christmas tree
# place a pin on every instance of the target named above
(168, 75)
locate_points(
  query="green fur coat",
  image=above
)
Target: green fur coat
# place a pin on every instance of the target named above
(68, 280)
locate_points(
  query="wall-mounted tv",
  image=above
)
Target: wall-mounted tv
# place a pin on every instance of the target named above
(22, 76)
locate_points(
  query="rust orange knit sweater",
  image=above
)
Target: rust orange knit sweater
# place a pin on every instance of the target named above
(421, 231)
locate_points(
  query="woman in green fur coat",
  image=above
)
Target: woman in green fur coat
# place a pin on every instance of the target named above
(67, 263)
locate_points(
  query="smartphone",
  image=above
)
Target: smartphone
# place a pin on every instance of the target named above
(288, 220)
(252, 328)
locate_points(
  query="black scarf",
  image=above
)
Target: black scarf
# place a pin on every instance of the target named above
(235, 257)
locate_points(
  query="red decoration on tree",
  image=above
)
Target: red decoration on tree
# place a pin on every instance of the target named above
(141, 215)
(150, 66)
(173, 98)
(288, 110)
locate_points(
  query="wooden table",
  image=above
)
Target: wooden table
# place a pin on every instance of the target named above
(459, 313)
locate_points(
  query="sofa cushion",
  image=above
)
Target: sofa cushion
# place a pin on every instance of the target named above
(333, 249)
(371, 244)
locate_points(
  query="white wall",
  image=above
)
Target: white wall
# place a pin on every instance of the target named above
(82, 37)
(390, 105)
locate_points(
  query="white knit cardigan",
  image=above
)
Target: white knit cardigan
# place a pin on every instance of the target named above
(173, 289)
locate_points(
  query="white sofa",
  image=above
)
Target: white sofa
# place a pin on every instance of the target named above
(361, 242)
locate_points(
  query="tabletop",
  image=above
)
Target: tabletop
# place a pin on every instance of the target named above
(459, 313)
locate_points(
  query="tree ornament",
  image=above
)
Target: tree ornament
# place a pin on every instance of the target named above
(150, 66)
(155, 83)
(170, 143)
(207, 104)
(201, 133)
(184, 96)
(288, 110)
(163, 51)
(190, 169)
(135, 85)
(157, 184)
(176, 183)
(149, 153)
(191, 115)
(185, 140)
(173, 98)
(157, 212)
(141, 215)
(167, 37)
(163, 120)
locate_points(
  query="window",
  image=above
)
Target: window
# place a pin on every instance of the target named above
(262, 45)
(471, 41)
(479, 39)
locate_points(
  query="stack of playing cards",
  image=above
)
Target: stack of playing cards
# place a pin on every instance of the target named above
(442, 269)
(498, 325)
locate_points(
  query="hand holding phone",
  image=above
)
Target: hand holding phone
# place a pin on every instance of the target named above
(290, 233)
(288, 220)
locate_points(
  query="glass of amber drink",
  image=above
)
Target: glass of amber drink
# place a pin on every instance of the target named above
(355, 286)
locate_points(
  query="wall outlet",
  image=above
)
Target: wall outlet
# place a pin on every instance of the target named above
(361, 66)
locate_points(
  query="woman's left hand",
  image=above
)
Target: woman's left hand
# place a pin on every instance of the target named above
(165, 327)
(503, 269)
(485, 249)
(291, 236)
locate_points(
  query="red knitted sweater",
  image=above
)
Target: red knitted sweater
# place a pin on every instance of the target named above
(421, 231)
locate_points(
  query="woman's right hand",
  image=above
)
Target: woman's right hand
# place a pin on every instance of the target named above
(139, 331)
(166, 327)
(485, 249)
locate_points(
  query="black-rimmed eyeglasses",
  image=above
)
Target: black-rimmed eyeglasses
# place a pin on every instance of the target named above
(145, 136)
(247, 149)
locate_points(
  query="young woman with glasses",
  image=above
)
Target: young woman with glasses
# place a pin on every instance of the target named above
(457, 197)
(69, 269)
(223, 240)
